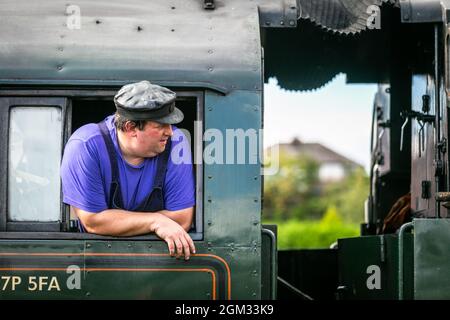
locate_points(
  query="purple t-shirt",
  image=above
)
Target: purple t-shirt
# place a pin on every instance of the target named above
(86, 172)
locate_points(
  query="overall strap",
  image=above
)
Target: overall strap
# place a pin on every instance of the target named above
(161, 167)
(155, 200)
(115, 195)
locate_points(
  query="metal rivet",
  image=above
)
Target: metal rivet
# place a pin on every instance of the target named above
(210, 69)
(173, 30)
(149, 246)
(88, 245)
(109, 245)
(292, 22)
(282, 23)
(209, 109)
(59, 67)
(406, 16)
(209, 222)
(255, 177)
(98, 21)
(60, 49)
(88, 294)
(129, 246)
(210, 51)
(139, 28)
(173, 8)
(268, 23)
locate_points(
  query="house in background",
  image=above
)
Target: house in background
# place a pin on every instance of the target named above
(333, 167)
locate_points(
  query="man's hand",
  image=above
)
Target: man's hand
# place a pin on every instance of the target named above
(177, 239)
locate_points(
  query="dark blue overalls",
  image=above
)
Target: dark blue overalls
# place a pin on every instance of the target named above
(155, 200)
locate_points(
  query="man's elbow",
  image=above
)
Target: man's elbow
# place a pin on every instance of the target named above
(89, 226)
(186, 226)
(187, 223)
(90, 223)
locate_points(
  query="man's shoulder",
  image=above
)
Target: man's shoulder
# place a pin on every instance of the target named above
(87, 138)
(87, 133)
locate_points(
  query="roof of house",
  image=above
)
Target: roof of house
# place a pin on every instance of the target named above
(316, 151)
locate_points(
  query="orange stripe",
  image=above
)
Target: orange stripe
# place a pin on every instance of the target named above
(128, 255)
(213, 275)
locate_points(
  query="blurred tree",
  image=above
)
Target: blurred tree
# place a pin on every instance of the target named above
(295, 192)
(348, 196)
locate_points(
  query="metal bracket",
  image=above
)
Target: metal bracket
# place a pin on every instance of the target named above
(209, 5)
(278, 14)
(422, 119)
(422, 11)
(443, 197)
(426, 188)
(442, 145)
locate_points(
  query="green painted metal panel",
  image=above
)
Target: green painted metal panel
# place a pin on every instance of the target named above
(168, 284)
(232, 191)
(126, 270)
(431, 259)
(165, 42)
(368, 267)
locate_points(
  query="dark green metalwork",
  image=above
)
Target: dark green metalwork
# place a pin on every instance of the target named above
(176, 43)
(401, 246)
(365, 262)
(218, 54)
(431, 259)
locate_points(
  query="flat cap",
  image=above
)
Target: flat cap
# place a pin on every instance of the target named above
(146, 101)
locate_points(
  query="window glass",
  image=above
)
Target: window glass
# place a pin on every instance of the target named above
(33, 164)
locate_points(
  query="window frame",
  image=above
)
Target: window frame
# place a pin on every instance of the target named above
(36, 97)
(6, 105)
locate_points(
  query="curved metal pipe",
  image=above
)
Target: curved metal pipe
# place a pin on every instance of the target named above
(401, 233)
(273, 261)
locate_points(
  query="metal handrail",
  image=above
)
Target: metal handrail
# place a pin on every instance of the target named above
(401, 233)
(273, 261)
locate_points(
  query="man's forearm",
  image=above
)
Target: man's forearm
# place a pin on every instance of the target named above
(116, 222)
(182, 217)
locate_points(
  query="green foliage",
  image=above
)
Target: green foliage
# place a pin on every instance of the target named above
(349, 195)
(311, 214)
(295, 234)
(294, 191)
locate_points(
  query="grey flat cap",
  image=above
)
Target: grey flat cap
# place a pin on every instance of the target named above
(146, 101)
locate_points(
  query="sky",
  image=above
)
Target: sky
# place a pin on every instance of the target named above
(337, 115)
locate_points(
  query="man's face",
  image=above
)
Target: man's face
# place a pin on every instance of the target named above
(152, 140)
